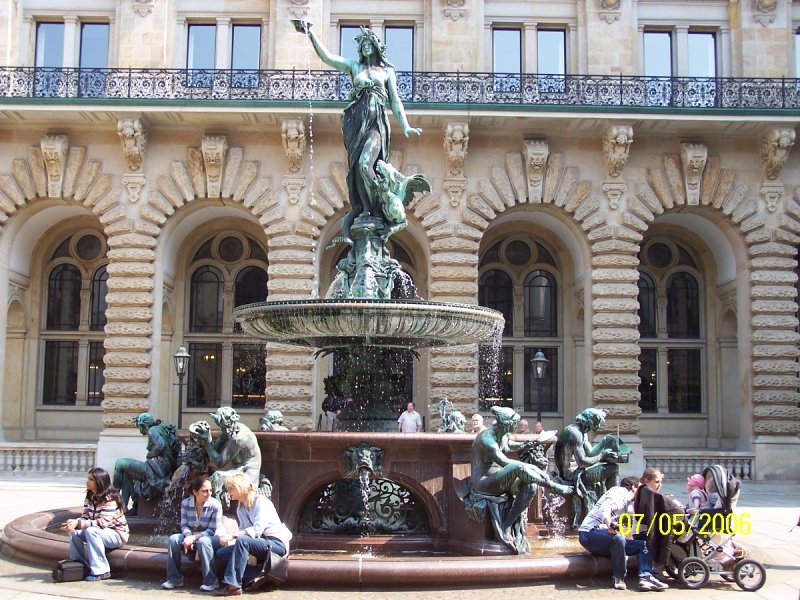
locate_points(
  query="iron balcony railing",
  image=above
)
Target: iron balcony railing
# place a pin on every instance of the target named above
(577, 91)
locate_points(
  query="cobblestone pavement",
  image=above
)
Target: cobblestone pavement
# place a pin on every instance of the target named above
(773, 510)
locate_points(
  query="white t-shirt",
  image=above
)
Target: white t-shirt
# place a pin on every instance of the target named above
(410, 422)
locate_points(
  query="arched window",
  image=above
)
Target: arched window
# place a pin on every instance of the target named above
(225, 368)
(672, 344)
(518, 278)
(497, 291)
(72, 360)
(97, 318)
(540, 304)
(206, 305)
(64, 298)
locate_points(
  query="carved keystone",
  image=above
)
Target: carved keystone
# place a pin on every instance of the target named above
(616, 146)
(54, 153)
(536, 154)
(293, 136)
(214, 149)
(134, 140)
(456, 141)
(693, 158)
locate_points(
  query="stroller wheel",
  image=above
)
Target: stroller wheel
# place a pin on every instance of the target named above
(749, 575)
(693, 572)
(671, 568)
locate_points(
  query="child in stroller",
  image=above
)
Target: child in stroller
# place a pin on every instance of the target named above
(706, 546)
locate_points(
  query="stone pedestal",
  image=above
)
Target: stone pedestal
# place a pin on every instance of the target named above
(777, 458)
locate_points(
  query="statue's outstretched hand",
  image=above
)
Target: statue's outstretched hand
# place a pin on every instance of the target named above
(301, 26)
(408, 131)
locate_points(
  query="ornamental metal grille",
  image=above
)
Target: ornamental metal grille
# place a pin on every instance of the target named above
(338, 508)
(527, 89)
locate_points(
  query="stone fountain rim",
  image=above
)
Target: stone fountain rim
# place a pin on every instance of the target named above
(26, 539)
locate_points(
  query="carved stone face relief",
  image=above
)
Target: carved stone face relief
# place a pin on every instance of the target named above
(54, 152)
(536, 153)
(775, 147)
(693, 157)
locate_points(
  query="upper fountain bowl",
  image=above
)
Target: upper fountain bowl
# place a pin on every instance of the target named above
(408, 324)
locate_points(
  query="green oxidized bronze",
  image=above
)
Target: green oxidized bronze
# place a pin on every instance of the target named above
(378, 193)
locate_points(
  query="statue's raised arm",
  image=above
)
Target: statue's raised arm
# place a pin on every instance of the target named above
(340, 63)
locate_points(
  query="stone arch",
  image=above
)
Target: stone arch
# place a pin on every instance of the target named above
(292, 229)
(521, 179)
(771, 249)
(54, 169)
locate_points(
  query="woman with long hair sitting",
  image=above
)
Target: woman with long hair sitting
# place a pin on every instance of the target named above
(201, 517)
(101, 526)
(260, 532)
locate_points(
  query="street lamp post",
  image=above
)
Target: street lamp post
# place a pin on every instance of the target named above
(181, 366)
(539, 366)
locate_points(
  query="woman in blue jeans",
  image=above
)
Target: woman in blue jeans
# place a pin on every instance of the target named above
(599, 534)
(260, 532)
(201, 517)
(101, 526)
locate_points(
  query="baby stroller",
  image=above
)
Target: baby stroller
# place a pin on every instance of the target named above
(707, 548)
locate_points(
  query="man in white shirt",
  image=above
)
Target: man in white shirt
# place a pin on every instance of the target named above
(410, 421)
(599, 534)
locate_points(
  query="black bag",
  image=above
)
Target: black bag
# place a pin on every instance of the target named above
(69, 570)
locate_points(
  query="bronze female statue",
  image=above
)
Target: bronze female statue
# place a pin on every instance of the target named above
(365, 124)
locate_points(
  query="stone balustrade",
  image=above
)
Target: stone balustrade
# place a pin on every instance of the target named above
(26, 457)
(678, 465)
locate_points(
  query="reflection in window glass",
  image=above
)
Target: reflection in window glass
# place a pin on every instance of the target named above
(49, 44)
(347, 41)
(647, 306)
(648, 385)
(202, 47)
(683, 306)
(657, 54)
(97, 318)
(60, 383)
(205, 375)
(206, 303)
(507, 51)
(702, 55)
(540, 304)
(249, 375)
(797, 54)
(400, 45)
(684, 380)
(96, 378)
(246, 47)
(64, 298)
(551, 48)
(94, 46)
(496, 291)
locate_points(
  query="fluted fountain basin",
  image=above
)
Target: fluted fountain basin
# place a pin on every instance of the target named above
(407, 324)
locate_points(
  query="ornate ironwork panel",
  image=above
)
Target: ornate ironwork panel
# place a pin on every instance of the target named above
(525, 90)
(339, 508)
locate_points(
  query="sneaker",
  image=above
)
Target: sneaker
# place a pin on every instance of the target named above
(100, 577)
(647, 585)
(658, 582)
(209, 588)
(171, 585)
(619, 584)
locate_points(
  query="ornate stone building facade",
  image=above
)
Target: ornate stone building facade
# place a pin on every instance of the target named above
(647, 244)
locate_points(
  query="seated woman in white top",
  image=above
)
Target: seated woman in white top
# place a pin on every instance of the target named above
(260, 532)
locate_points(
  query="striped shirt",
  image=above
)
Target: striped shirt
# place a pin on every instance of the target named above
(105, 514)
(610, 506)
(207, 523)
